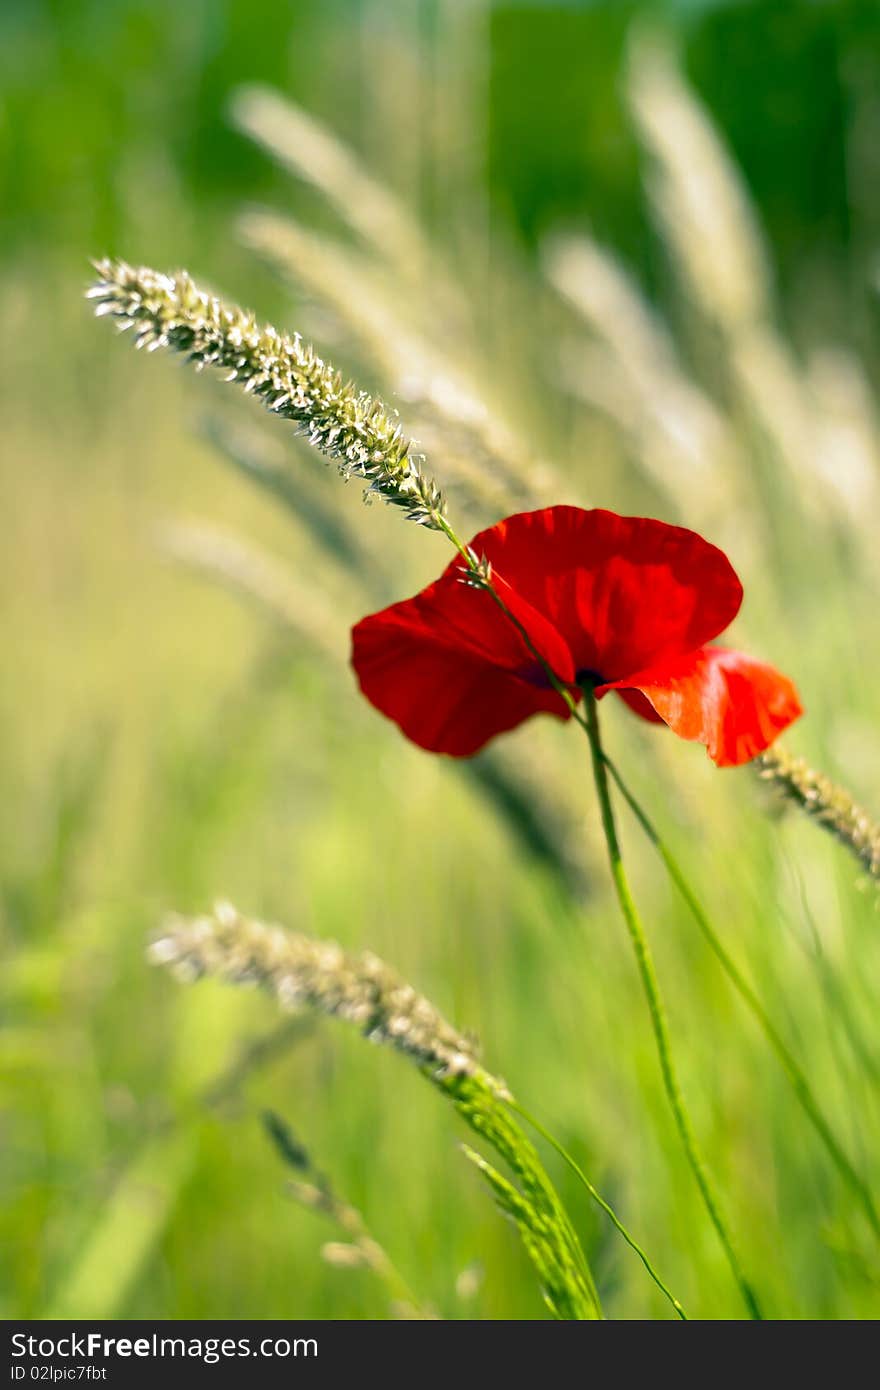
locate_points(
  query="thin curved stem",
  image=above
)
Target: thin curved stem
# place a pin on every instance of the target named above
(651, 987)
(590, 725)
(790, 1066)
(600, 1202)
(484, 581)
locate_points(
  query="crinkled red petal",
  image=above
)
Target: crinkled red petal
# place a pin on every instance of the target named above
(452, 670)
(734, 705)
(625, 592)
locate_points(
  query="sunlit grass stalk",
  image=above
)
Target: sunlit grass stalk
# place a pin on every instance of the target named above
(628, 369)
(825, 803)
(301, 972)
(597, 1197)
(790, 1065)
(698, 196)
(657, 1011)
(484, 454)
(708, 224)
(547, 1234)
(289, 378)
(313, 152)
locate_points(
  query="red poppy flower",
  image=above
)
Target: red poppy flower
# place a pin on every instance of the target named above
(622, 602)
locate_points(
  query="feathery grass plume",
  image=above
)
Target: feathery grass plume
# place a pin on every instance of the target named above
(308, 149)
(313, 1190)
(479, 448)
(345, 424)
(713, 234)
(630, 370)
(697, 193)
(248, 573)
(824, 802)
(302, 972)
(312, 152)
(848, 419)
(807, 431)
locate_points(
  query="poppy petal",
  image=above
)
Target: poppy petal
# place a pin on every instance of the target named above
(636, 701)
(722, 698)
(452, 670)
(624, 591)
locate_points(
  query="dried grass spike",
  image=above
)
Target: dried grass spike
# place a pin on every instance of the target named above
(827, 804)
(340, 421)
(311, 151)
(302, 971)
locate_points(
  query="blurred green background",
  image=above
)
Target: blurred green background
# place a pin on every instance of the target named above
(704, 347)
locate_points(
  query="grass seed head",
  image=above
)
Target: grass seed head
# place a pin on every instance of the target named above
(305, 972)
(286, 374)
(823, 801)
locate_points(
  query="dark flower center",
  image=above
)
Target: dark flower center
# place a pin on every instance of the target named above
(588, 679)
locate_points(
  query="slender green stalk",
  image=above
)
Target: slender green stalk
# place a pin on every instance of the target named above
(795, 1074)
(651, 987)
(790, 1066)
(599, 1200)
(482, 579)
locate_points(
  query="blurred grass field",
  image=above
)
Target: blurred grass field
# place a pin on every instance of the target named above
(163, 744)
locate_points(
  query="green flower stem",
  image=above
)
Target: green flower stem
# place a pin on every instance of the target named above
(484, 581)
(790, 1066)
(644, 960)
(473, 565)
(651, 987)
